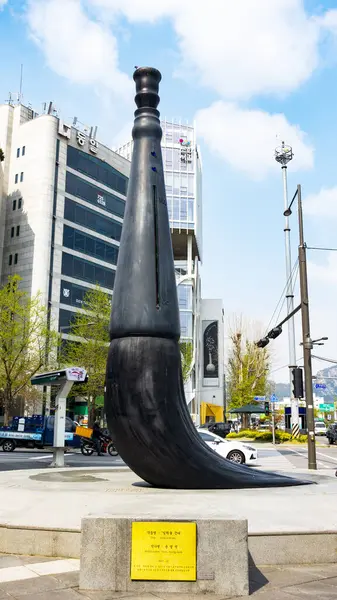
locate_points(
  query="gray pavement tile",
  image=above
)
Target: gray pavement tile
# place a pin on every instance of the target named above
(286, 576)
(50, 595)
(91, 595)
(12, 560)
(33, 560)
(69, 580)
(320, 590)
(171, 596)
(30, 586)
(272, 594)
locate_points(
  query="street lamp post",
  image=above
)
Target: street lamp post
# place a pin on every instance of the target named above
(283, 155)
(307, 341)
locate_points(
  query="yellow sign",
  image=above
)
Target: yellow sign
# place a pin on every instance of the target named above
(164, 551)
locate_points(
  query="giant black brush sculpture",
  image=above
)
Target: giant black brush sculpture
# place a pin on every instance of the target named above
(145, 403)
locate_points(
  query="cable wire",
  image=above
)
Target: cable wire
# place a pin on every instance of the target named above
(325, 359)
(282, 297)
(326, 249)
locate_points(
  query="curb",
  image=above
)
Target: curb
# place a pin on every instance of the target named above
(266, 548)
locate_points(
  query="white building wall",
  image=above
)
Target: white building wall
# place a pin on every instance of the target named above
(30, 179)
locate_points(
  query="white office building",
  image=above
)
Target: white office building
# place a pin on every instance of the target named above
(62, 206)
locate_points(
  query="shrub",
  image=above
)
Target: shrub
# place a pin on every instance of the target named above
(267, 436)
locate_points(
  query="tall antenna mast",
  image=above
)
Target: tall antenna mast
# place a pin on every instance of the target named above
(21, 81)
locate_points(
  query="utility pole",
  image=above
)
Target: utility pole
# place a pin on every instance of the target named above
(307, 341)
(283, 155)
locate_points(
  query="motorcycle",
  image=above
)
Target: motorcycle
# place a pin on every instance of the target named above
(107, 446)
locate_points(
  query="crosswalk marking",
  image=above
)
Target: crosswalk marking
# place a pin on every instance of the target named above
(276, 461)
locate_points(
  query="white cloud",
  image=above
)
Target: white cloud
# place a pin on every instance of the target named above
(245, 138)
(329, 21)
(322, 204)
(239, 49)
(2, 3)
(76, 47)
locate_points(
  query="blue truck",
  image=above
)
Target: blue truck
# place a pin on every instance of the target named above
(36, 432)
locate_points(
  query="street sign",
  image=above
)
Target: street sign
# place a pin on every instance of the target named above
(273, 398)
(326, 407)
(259, 398)
(320, 386)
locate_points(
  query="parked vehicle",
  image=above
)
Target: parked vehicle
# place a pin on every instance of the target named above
(221, 429)
(331, 434)
(231, 449)
(107, 446)
(35, 432)
(320, 428)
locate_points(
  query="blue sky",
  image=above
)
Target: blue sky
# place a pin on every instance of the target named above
(247, 71)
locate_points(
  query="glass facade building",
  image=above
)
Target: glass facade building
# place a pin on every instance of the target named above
(183, 182)
(92, 219)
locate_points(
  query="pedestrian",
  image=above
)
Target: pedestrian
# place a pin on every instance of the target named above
(96, 437)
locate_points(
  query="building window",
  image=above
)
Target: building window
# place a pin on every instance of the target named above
(21, 176)
(16, 178)
(82, 242)
(73, 294)
(12, 232)
(90, 193)
(76, 213)
(23, 150)
(10, 259)
(184, 296)
(96, 169)
(18, 153)
(15, 259)
(19, 203)
(186, 324)
(14, 204)
(17, 230)
(72, 266)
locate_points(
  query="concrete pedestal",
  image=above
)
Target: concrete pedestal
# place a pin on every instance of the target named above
(222, 558)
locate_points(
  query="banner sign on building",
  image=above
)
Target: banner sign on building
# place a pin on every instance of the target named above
(210, 353)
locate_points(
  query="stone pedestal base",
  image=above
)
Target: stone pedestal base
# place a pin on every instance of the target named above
(222, 558)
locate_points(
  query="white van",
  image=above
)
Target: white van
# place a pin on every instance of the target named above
(320, 428)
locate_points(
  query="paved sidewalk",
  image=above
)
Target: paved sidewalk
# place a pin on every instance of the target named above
(38, 578)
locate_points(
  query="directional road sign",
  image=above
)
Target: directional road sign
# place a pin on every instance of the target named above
(326, 407)
(273, 398)
(320, 386)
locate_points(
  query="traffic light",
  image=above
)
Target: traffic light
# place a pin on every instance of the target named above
(262, 343)
(274, 333)
(266, 408)
(297, 379)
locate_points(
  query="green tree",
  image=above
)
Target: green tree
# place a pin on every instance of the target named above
(186, 351)
(247, 370)
(89, 349)
(27, 343)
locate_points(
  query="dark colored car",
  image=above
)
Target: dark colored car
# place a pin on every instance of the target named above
(222, 429)
(331, 434)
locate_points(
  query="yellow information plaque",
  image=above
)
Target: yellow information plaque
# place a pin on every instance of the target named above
(164, 551)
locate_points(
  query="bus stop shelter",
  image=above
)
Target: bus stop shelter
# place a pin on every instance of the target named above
(246, 411)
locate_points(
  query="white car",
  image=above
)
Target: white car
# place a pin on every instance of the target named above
(231, 449)
(320, 428)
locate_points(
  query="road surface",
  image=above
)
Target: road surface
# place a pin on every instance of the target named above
(280, 458)
(37, 459)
